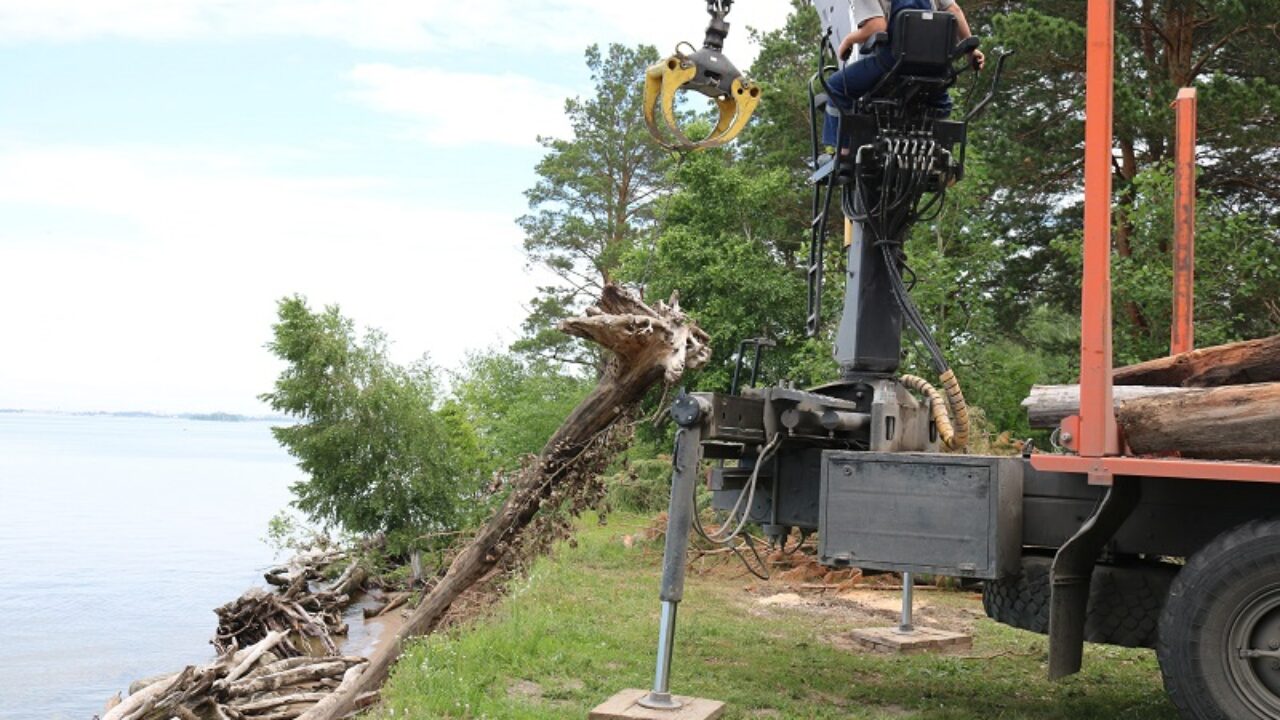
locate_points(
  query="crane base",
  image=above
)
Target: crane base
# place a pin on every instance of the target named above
(626, 706)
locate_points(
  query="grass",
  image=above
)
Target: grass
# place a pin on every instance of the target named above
(582, 626)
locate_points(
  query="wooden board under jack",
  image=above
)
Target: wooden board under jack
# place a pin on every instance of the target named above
(623, 706)
(920, 640)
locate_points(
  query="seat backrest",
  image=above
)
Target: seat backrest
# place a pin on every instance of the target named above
(922, 40)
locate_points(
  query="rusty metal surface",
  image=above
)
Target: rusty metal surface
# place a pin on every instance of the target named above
(1101, 470)
(1098, 435)
(1182, 332)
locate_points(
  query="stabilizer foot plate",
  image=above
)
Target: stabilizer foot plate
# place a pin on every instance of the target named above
(920, 640)
(625, 706)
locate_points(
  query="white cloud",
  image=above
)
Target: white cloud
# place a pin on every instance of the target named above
(398, 25)
(460, 108)
(167, 307)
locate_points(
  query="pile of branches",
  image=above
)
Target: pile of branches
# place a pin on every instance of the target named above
(277, 656)
(311, 618)
(253, 683)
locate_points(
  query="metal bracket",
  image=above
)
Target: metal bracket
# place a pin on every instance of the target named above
(1073, 570)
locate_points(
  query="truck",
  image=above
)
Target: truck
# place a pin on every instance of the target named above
(1087, 542)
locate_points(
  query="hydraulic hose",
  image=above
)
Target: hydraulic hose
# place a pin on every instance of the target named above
(954, 436)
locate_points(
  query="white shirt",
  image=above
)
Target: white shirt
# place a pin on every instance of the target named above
(864, 10)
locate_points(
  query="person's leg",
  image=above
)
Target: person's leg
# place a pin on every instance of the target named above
(845, 86)
(941, 104)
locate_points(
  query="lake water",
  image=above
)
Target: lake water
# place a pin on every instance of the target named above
(118, 537)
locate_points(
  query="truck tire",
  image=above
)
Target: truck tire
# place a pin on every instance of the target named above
(1124, 601)
(1226, 603)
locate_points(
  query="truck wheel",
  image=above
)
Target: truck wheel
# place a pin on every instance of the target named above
(1022, 601)
(1219, 644)
(1124, 600)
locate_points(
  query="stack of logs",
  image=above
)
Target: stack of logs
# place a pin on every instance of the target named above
(277, 657)
(1219, 403)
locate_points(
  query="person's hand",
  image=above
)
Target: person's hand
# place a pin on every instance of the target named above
(846, 47)
(978, 59)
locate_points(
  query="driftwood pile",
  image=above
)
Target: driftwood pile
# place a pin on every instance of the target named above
(250, 684)
(311, 618)
(1220, 403)
(277, 656)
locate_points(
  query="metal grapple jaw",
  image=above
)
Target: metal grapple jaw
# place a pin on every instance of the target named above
(706, 71)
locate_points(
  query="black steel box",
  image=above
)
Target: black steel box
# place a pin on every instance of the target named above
(956, 515)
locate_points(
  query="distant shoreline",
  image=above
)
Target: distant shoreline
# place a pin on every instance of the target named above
(203, 417)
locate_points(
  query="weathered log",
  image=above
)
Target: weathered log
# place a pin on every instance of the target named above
(332, 706)
(390, 603)
(271, 640)
(648, 345)
(1240, 422)
(296, 609)
(1239, 363)
(269, 703)
(292, 676)
(142, 701)
(1047, 405)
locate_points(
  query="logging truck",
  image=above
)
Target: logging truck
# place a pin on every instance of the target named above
(1155, 526)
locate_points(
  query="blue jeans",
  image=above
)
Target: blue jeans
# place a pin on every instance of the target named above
(850, 83)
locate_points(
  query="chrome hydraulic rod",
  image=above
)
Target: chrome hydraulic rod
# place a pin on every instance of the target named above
(688, 411)
(906, 627)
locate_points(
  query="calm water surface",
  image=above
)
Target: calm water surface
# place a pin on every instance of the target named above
(118, 537)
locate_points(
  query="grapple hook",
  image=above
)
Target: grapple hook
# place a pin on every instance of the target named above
(709, 72)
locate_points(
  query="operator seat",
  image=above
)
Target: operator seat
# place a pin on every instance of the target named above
(911, 97)
(922, 49)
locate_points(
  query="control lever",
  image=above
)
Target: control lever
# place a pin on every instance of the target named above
(977, 110)
(965, 46)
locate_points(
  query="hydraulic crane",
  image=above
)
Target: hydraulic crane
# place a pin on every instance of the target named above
(1075, 544)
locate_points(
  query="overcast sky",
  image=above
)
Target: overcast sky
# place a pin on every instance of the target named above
(170, 168)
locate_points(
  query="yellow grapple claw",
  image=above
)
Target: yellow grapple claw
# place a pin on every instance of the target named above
(664, 79)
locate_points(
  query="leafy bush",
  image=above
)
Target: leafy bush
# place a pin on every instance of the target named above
(378, 456)
(642, 486)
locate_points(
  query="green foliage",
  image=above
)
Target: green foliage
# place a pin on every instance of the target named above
(593, 196)
(287, 532)
(643, 486)
(716, 247)
(512, 405)
(378, 457)
(1237, 271)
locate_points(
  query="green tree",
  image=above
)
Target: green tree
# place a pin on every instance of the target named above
(377, 455)
(594, 195)
(1034, 137)
(719, 233)
(513, 405)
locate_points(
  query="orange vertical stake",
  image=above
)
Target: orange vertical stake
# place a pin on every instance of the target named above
(1097, 426)
(1182, 334)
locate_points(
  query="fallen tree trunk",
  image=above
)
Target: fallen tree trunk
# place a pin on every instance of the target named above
(1239, 363)
(1241, 422)
(648, 345)
(1048, 405)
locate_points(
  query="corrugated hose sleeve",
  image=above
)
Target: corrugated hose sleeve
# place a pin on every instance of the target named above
(955, 437)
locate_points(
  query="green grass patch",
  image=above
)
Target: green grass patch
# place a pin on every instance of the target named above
(582, 627)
